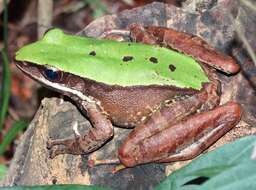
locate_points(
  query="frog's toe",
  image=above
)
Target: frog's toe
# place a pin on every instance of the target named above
(53, 142)
(55, 151)
(49, 144)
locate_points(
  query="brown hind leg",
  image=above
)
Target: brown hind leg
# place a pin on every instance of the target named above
(183, 140)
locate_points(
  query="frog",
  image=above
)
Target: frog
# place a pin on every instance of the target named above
(161, 83)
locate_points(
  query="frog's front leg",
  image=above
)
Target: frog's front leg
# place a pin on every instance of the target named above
(183, 140)
(80, 144)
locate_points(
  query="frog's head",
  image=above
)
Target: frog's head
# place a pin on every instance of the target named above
(38, 59)
(42, 73)
(32, 59)
(53, 78)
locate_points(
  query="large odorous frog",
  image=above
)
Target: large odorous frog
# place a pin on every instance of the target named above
(163, 83)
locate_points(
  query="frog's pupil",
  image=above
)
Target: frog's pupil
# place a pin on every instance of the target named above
(52, 75)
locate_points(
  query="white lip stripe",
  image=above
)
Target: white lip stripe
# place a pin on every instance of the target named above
(65, 89)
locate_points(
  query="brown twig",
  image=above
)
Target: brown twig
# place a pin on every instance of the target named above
(45, 12)
(2, 5)
(241, 35)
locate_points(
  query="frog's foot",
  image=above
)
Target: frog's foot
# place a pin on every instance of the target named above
(63, 146)
(66, 145)
(88, 142)
(180, 141)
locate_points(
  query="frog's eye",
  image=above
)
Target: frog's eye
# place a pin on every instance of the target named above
(52, 75)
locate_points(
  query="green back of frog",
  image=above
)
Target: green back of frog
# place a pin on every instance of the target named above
(114, 63)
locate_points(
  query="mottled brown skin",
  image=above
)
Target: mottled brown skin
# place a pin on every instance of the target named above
(171, 123)
(122, 104)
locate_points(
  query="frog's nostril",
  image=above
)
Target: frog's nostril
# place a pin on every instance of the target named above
(22, 65)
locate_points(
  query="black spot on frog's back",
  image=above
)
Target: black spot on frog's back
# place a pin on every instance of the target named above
(127, 58)
(153, 60)
(172, 67)
(93, 53)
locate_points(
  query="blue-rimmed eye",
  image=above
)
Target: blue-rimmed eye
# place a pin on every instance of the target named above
(52, 74)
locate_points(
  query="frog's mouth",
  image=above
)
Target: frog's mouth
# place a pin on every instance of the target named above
(29, 68)
(35, 72)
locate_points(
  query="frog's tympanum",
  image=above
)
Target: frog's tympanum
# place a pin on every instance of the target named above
(163, 83)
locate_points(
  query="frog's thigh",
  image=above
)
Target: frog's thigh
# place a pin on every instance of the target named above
(185, 139)
(80, 144)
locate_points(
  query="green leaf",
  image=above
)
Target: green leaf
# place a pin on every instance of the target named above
(5, 21)
(11, 134)
(242, 176)
(5, 91)
(211, 165)
(56, 187)
(210, 171)
(3, 170)
(6, 80)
